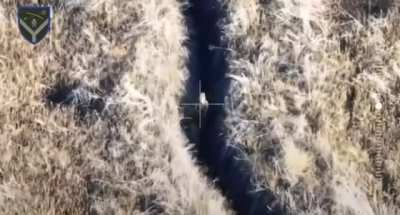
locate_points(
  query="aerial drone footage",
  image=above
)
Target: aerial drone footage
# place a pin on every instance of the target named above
(200, 107)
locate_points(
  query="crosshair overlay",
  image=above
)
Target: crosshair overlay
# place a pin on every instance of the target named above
(201, 105)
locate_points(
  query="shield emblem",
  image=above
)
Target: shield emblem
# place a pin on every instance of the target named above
(34, 22)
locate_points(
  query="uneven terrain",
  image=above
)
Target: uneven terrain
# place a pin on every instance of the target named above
(91, 117)
(315, 101)
(89, 120)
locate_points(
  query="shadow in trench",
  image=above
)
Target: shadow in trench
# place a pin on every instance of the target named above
(225, 161)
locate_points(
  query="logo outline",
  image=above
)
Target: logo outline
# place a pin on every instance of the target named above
(36, 35)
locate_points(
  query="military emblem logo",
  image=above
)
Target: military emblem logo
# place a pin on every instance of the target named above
(34, 22)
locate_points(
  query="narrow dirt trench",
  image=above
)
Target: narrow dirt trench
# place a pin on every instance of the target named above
(205, 128)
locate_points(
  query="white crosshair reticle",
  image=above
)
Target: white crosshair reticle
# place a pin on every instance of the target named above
(202, 104)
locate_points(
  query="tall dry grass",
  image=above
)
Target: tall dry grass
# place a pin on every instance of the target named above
(130, 159)
(315, 101)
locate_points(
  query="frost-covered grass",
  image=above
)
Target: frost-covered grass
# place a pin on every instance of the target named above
(129, 159)
(315, 100)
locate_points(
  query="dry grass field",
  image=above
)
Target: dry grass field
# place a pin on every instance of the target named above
(130, 159)
(314, 101)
